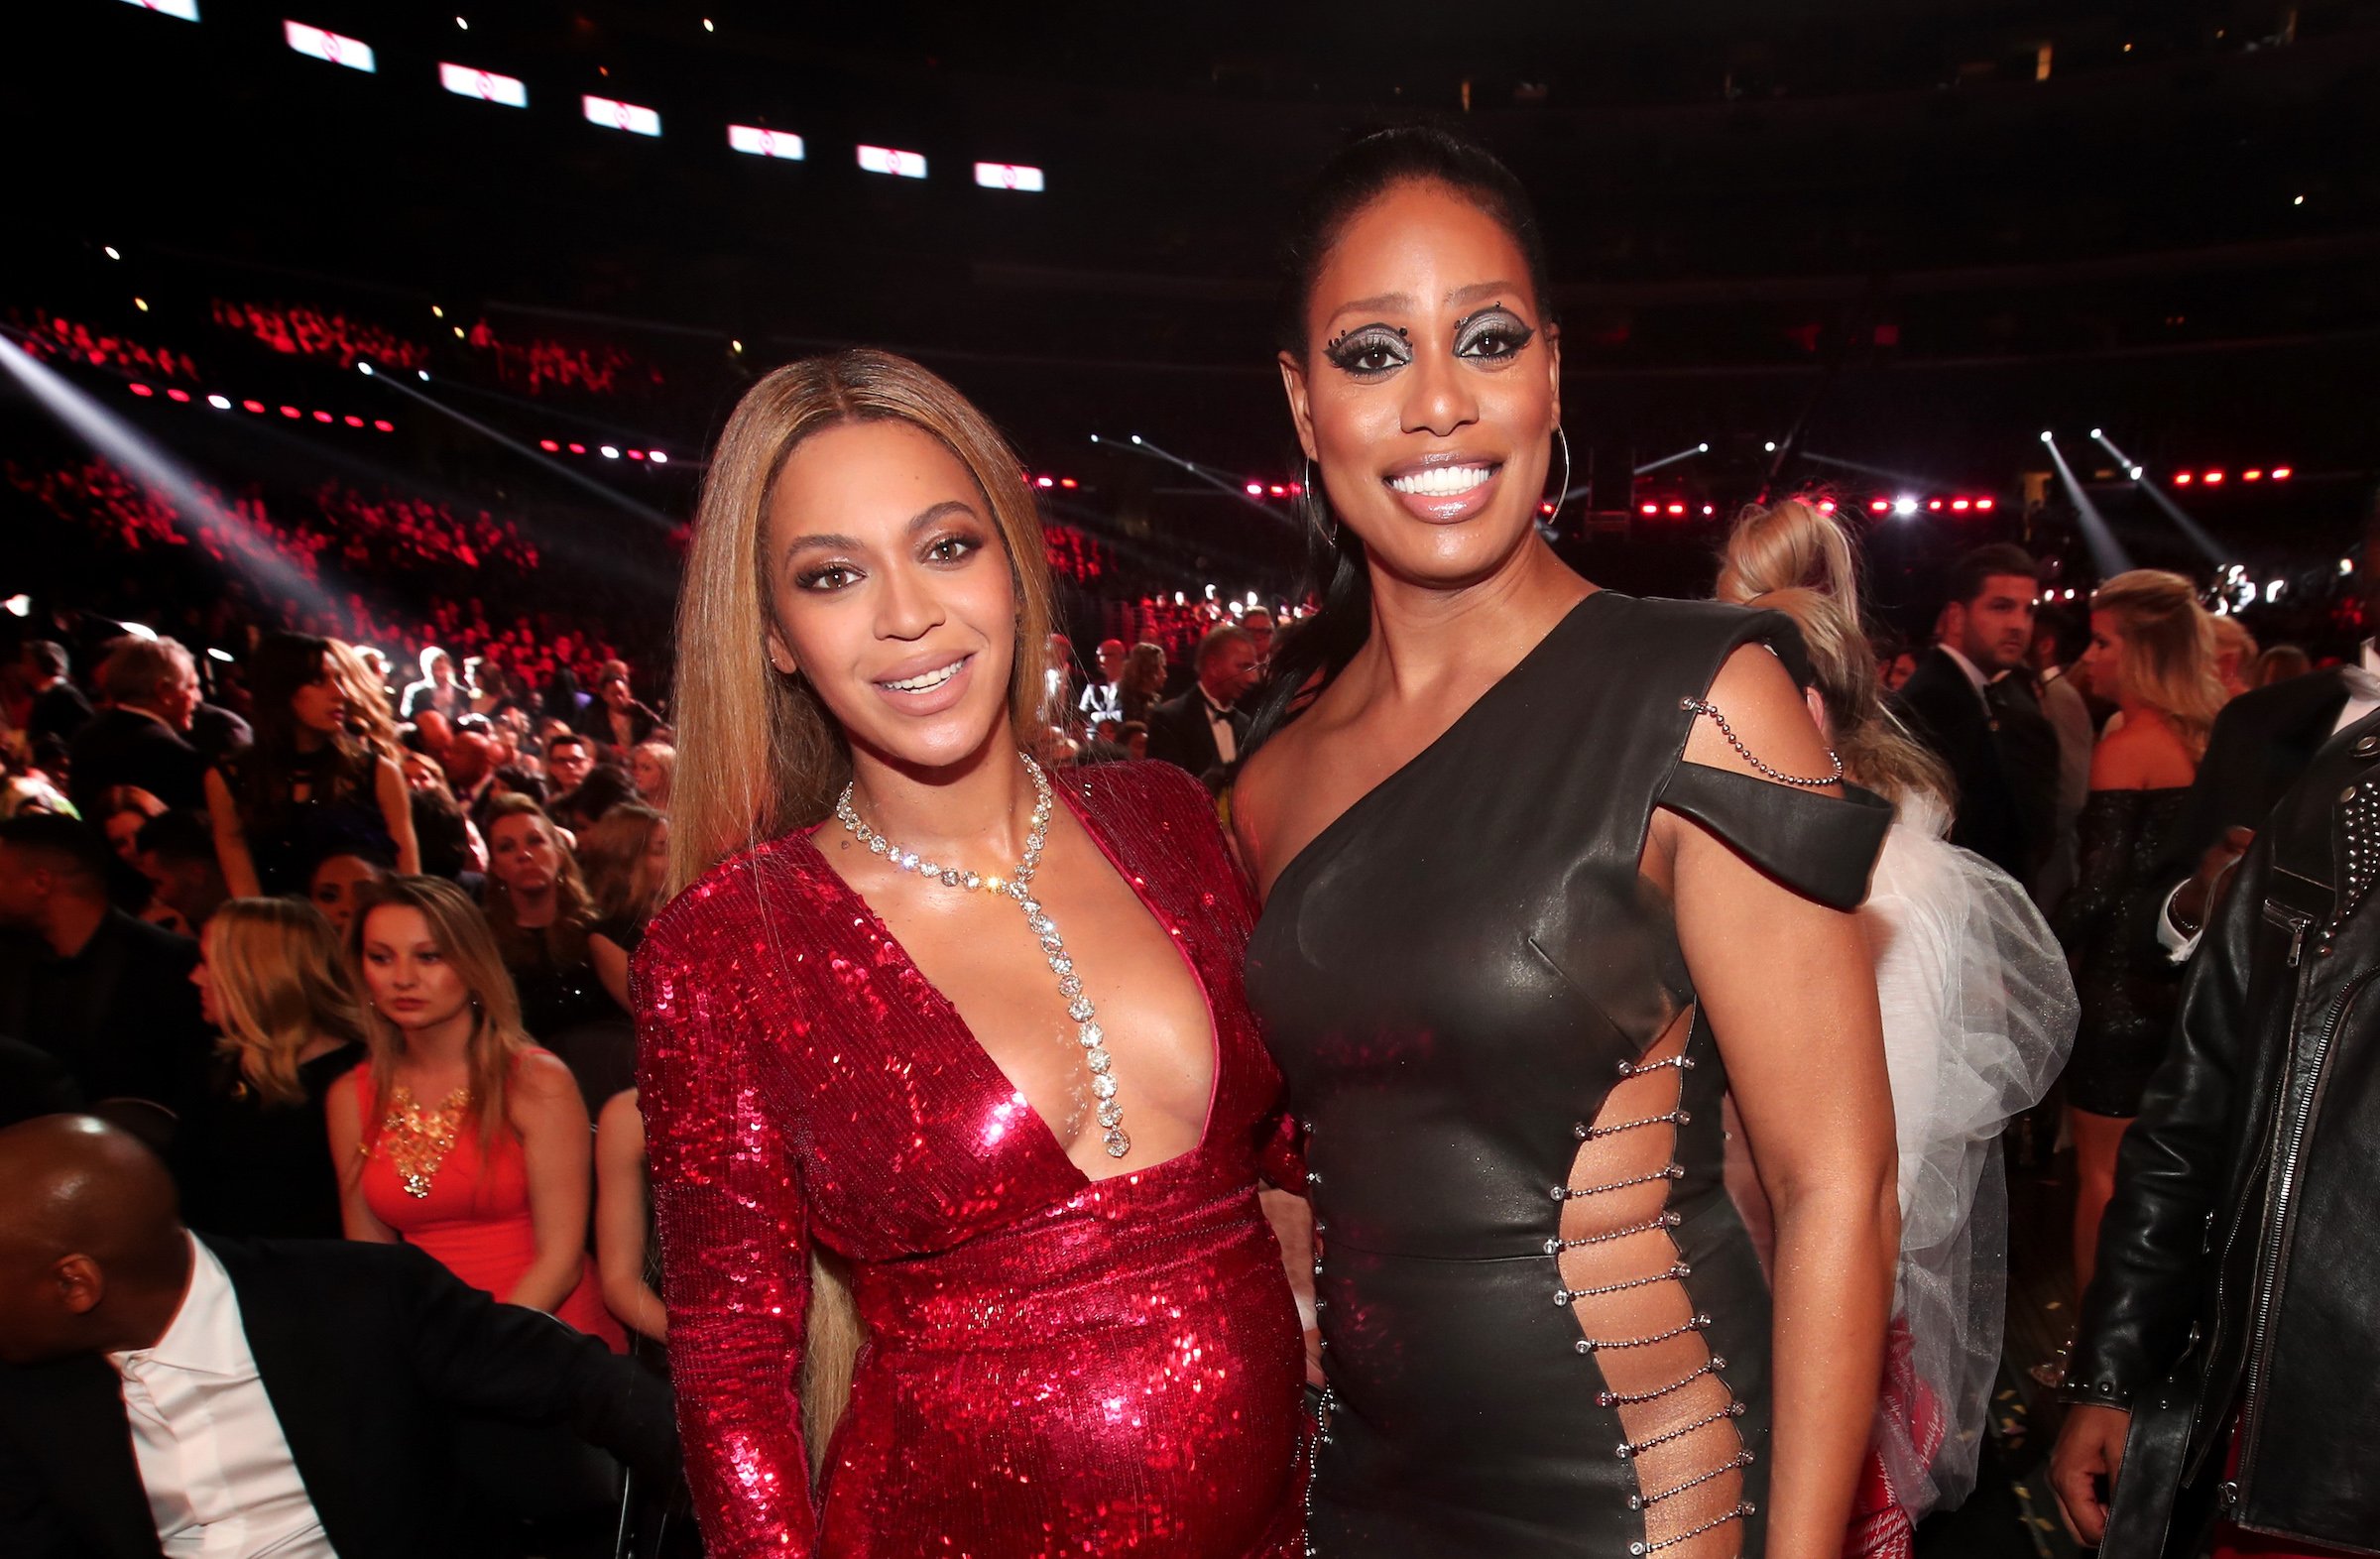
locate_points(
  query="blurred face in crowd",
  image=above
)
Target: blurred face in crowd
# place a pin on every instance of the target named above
(644, 768)
(406, 972)
(204, 980)
(1111, 659)
(615, 692)
(441, 669)
(123, 831)
(889, 589)
(336, 883)
(25, 885)
(1994, 628)
(1428, 390)
(422, 772)
(1136, 740)
(319, 705)
(2103, 661)
(176, 697)
(524, 854)
(1258, 623)
(1228, 672)
(1898, 670)
(469, 757)
(567, 763)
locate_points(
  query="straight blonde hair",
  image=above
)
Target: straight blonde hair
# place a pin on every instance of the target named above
(615, 856)
(463, 939)
(1796, 558)
(280, 985)
(757, 752)
(2168, 659)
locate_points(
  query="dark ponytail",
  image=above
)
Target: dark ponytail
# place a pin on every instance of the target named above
(1308, 654)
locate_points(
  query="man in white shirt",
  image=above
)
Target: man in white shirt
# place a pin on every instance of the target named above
(167, 1395)
(1104, 700)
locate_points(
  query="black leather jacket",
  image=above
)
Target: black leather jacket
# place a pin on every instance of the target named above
(2236, 1265)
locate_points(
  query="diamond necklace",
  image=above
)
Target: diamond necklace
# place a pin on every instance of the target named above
(1017, 885)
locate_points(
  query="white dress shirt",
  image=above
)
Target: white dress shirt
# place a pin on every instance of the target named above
(1219, 721)
(220, 1479)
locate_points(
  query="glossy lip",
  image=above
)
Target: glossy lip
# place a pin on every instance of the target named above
(1445, 511)
(934, 700)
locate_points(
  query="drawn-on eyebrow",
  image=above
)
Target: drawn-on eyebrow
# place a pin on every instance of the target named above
(930, 514)
(1387, 303)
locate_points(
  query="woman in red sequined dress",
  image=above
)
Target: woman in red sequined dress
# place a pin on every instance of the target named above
(971, 1033)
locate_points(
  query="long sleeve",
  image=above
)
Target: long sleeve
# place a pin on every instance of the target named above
(734, 1225)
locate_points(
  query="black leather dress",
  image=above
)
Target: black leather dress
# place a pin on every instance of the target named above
(2128, 984)
(1546, 1331)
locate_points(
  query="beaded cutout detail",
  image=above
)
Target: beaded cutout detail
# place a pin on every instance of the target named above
(415, 1140)
(1620, 1272)
(1703, 707)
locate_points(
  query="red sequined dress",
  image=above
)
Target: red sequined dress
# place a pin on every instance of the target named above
(1053, 1365)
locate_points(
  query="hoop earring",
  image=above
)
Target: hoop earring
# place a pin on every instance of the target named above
(1561, 493)
(1318, 508)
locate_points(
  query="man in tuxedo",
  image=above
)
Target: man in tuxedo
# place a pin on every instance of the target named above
(1969, 701)
(1104, 700)
(143, 737)
(297, 1399)
(1201, 731)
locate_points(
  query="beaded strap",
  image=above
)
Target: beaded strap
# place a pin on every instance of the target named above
(1596, 1134)
(1682, 1061)
(1659, 1221)
(1564, 1297)
(1564, 1193)
(1698, 707)
(1631, 1399)
(1638, 1550)
(1590, 1345)
(1631, 1448)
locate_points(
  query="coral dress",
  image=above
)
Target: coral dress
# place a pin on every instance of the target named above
(473, 1210)
(1053, 1365)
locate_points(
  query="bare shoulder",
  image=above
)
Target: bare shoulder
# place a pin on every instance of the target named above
(1764, 708)
(2140, 754)
(1261, 787)
(541, 1080)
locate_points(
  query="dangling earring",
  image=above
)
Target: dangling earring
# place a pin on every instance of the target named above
(1561, 493)
(1318, 508)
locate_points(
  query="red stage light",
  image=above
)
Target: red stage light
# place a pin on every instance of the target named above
(142, 390)
(1960, 503)
(1297, 489)
(290, 412)
(1982, 503)
(2213, 477)
(1256, 488)
(184, 396)
(1933, 504)
(1043, 481)
(1880, 506)
(1652, 509)
(353, 421)
(1068, 482)
(323, 416)
(578, 448)
(1826, 506)
(549, 447)
(383, 424)
(1677, 508)
(253, 406)
(2181, 478)
(1545, 509)
(636, 454)
(2281, 474)
(1277, 490)
(2251, 476)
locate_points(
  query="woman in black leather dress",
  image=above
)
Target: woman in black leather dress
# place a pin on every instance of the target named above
(1551, 870)
(2151, 655)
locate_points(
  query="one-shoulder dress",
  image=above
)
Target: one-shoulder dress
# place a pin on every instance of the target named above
(1545, 1328)
(1051, 1365)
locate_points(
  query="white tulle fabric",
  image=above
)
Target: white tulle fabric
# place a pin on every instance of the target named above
(1980, 1015)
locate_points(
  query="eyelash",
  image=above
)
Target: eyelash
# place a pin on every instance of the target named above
(815, 578)
(1348, 353)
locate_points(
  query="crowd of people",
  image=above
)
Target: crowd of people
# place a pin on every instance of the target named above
(962, 1120)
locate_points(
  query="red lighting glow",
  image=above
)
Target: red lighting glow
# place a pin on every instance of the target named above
(143, 390)
(184, 396)
(1961, 505)
(2281, 474)
(383, 424)
(1677, 508)
(1982, 503)
(1652, 509)
(1277, 490)
(2181, 478)
(1933, 504)
(549, 447)
(1826, 506)
(323, 416)
(1880, 506)
(1068, 482)
(253, 406)
(2251, 476)
(353, 420)
(638, 454)
(578, 448)
(1545, 509)
(2213, 477)
(290, 412)
(1297, 489)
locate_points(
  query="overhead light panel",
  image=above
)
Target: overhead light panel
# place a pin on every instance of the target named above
(756, 142)
(337, 47)
(1020, 176)
(615, 115)
(486, 85)
(891, 160)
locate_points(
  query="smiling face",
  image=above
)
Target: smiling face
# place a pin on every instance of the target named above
(1429, 389)
(523, 853)
(407, 974)
(890, 591)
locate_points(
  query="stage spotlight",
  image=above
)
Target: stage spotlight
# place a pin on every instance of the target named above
(1277, 490)
(1982, 503)
(611, 114)
(182, 396)
(610, 451)
(2281, 474)
(1904, 506)
(221, 403)
(549, 447)
(1020, 176)
(365, 369)
(1880, 506)
(109, 250)
(185, 10)
(1256, 488)
(2212, 478)
(323, 417)
(1135, 439)
(2137, 472)
(578, 448)
(142, 304)
(2097, 433)
(2346, 565)
(1677, 508)
(2271, 590)
(142, 391)
(757, 142)
(339, 49)
(657, 457)
(139, 631)
(2181, 478)
(1961, 505)
(1701, 448)
(1826, 506)
(1045, 481)
(1934, 505)
(213, 654)
(252, 406)
(292, 412)
(2251, 476)
(1652, 509)
(19, 605)
(736, 347)
(2046, 436)
(1770, 446)
(893, 160)
(636, 454)
(465, 26)
(383, 425)
(487, 85)
(707, 26)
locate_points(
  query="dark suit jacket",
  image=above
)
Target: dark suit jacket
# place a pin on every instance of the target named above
(1943, 710)
(124, 747)
(2262, 742)
(595, 724)
(133, 1025)
(1178, 733)
(370, 1354)
(59, 710)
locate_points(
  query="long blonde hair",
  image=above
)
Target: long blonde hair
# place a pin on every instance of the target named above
(2168, 657)
(280, 985)
(615, 854)
(757, 752)
(463, 939)
(368, 713)
(1795, 559)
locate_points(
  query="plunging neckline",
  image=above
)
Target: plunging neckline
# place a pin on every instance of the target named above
(1430, 749)
(1008, 1086)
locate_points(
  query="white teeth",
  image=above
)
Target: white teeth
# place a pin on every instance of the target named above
(1442, 481)
(919, 684)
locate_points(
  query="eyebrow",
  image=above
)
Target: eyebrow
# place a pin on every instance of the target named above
(1389, 301)
(930, 514)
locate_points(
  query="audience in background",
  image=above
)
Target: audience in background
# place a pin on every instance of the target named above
(1143, 681)
(626, 1256)
(58, 708)
(569, 759)
(624, 857)
(142, 737)
(538, 909)
(2058, 641)
(177, 854)
(2280, 664)
(607, 786)
(1104, 697)
(252, 1152)
(653, 767)
(439, 693)
(119, 814)
(1202, 730)
(2235, 655)
(337, 885)
(616, 719)
(459, 1135)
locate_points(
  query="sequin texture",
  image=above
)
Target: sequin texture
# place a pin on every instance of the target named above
(1053, 1365)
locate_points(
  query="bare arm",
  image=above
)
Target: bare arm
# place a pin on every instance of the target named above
(545, 1108)
(622, 1204)
(611, 967)
(345, 1118)
(1791, 998)
(231, 841)
(397, 810)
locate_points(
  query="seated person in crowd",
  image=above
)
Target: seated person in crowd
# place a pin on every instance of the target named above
(175, 853)
(143, 737)
(337, 885)
(624, 858)
(607, 786)
(458, 1134)
(539, 908)
(166, 1391)
(653, 765)
(107, 995)
(58, 707)
(569, 758)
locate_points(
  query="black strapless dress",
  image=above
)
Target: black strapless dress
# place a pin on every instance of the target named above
(2129, 985)
(1545, 1329)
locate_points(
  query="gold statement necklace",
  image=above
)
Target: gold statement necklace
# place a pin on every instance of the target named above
(415, 1140)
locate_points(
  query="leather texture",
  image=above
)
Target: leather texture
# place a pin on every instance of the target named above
(1456, 976)
(2236, 1273)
